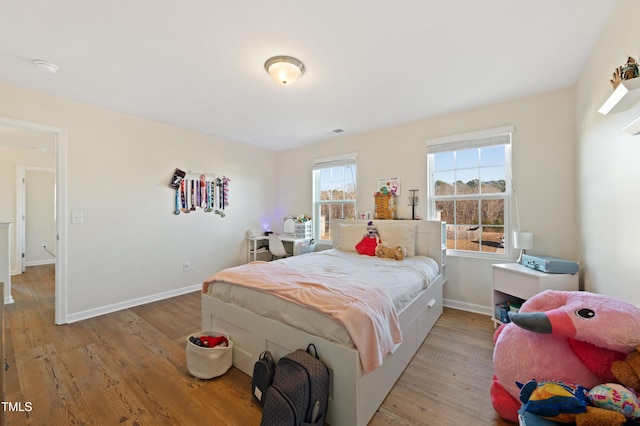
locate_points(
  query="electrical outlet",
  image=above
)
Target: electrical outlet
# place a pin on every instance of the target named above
(186, 267)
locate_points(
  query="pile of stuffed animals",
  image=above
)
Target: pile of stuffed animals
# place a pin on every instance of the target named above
(372, 245)
(569, 357)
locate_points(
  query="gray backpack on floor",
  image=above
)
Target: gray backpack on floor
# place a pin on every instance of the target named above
(299, 394)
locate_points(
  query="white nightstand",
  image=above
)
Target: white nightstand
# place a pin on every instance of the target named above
(514, 282)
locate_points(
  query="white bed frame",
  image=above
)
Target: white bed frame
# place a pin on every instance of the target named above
(354, 396)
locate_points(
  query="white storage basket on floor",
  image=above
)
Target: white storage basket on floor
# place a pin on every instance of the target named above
(207, 363)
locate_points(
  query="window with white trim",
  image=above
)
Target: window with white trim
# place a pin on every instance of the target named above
(469, 188)
(334, 193)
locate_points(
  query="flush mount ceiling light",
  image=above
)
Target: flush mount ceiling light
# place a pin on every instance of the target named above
(46, 66)
(284, 70)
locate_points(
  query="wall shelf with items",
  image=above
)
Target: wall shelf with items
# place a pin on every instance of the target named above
(623, 97)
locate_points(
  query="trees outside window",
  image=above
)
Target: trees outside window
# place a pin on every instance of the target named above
(469, 188)
(334, 195)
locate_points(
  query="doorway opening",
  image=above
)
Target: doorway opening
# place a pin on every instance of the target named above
(35, 216)
(13, 129)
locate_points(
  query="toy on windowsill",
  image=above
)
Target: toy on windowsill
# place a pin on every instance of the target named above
(567, 336)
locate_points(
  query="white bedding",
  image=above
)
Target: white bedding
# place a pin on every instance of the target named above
(401, 280)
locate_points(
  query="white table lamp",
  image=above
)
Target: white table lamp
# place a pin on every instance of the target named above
(522, 241)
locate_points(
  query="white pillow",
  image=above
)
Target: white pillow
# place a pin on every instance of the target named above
(399, 233)
(349, 235)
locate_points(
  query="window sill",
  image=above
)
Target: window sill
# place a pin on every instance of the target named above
(473, 255)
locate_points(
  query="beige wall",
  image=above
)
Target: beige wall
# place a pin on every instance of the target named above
(608, 165)
(543, 164)
(131, 246)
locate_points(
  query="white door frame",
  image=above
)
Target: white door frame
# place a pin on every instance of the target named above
(60, 138)
(21, 210)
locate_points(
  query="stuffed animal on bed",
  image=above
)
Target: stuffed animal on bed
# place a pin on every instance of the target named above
(568, 336)
(370, 241)
(396, 252)
(372, 231)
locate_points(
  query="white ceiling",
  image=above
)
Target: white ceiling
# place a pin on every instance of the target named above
(198, 64)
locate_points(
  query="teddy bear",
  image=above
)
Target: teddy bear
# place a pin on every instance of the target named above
(627, 371)
(397, 252)
(595, 416)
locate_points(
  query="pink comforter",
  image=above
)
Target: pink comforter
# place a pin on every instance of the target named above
(366, 312)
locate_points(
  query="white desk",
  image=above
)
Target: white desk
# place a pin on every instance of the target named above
(260, 245)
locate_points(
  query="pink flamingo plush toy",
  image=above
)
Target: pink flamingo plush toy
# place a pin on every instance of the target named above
(568, 336)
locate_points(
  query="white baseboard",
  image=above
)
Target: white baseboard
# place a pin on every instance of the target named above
(470, 307)
(39, 262)
(91, 313)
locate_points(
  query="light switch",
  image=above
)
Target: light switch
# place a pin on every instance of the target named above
(76, 217)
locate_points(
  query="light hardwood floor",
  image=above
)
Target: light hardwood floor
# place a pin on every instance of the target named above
(129, 368)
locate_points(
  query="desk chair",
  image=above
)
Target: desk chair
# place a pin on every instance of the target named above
(276, 247)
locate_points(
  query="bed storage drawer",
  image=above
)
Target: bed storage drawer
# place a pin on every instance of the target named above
(431, 312)
(416, 321)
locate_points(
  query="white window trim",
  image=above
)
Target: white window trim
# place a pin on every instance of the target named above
(471, 140)
(326, 162)
(480, 134)
(336, 160)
